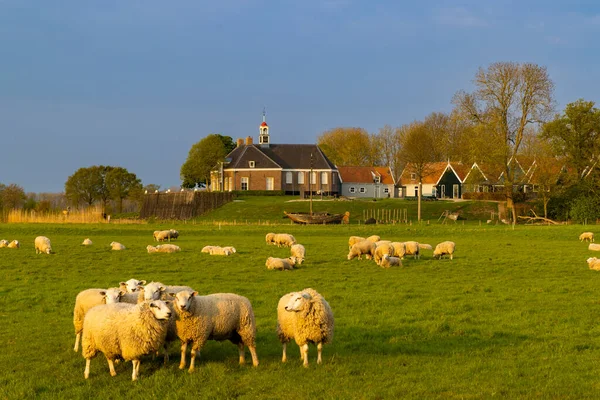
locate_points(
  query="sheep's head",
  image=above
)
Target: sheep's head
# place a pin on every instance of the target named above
(154, 291)
(183, 300)
(160, 309)
(131, 285)
(298, 301)
(112, 295)
(151, 249)
(591, 260)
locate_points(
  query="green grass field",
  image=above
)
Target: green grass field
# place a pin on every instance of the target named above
(514, 315)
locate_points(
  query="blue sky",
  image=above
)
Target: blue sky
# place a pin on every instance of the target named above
(135, 83)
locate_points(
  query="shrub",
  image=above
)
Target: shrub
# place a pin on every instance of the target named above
(585, 208)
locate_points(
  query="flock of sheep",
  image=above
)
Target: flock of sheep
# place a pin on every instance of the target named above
(593, 262)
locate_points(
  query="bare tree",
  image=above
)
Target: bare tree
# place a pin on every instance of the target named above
(388, 145)
(508, 98)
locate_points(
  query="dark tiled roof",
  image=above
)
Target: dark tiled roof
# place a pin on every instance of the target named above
(241, 155)
(286, 156)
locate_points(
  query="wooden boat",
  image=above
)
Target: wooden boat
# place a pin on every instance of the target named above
(318, 218)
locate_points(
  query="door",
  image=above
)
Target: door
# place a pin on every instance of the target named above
(455, 191)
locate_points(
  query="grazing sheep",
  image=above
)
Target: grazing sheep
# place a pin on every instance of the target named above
(384, 248)
(174, 234)
(298, 252)
(221, 316)
(206, 249)
(85, 300)
(307, 318)
(594, 263)
(131, 286)
(365, 247)
(159, 291)
(380, 242)
(116, 246)
(353, 240)
(3, 243)
(124, 331)
(374, 238)
(280, 264)
(161, 236)
(220, 251)
(399, 249)
(444, 248)
(594, 247)
(163, 248)
(412, 249)
(389, 261)
(586, 236)
(86, 242)
(14, 244)
(270, 238)
(424, 246)
(42, 245)
(284, 240)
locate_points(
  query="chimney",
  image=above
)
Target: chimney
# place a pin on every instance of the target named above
(249, 140)
(239, 142)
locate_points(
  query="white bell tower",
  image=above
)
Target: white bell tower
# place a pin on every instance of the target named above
(263, 134)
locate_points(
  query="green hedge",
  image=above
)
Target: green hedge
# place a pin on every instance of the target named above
(237, 193)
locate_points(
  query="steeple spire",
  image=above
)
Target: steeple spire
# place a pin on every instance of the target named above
(263, 134)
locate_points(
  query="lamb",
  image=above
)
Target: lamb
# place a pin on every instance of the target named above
(399, 249)
(14, 244)
(131, 286)
(389, 261)
(586, 236)
(353, 240)
(594, 263)
(444, 248)
(85, 300)
(220, 251)
(124, 331)
(42, 245)
(280, 263)
(307, 318)
(86, 242)
(384, 248)
(298, 252)
(3, 243)
(374, 238)
(270, 238)
(412, 249)
(284, 240)
(163, 248)
(159, 291)
(116, 246)
(221, 316)
(365, 247)
(594, 247)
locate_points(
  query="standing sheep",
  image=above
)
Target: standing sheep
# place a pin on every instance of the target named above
(307, 318)
(298, 252)
(586, 236)
(270, 238)
(353, 240)
(85, 300)
(399, 249)
(221, 316)
(365, 247)
(444, 248)
(412, 249)
(284, 240)
(124, 331)
(42, 245)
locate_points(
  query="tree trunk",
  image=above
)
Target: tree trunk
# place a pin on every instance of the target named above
(546, 200)
(419, 201)
(120, 205)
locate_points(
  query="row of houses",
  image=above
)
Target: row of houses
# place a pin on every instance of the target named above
(300, 169)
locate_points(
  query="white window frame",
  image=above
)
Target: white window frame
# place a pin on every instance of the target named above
(313, 178)
(413, 176)
(352, 189)
(386, 190)
(251, 164)
(300, 178)
(362, 190)
(289, 177)
(324, 179)
(270, 181)
(245, 181)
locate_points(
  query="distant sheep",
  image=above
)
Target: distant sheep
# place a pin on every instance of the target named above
(124, 331)
(85, 300)
(86, 242)
(425, 246)
(42, 245)
(586, 236)
(412, 249)
(389, 261)
(14, 244)
(231, 249)
(594, 247)
(206, 249)
(298, 253)
(174, 234)
(307, 318)
(280, 264)
(220, 251)
(594, 263)
(444, 248)
(116, 246)
(284, 240)
(163, 248)
(161, 236)
(366, 248)
(3, 243)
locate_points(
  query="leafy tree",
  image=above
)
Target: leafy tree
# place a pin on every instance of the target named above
(508, 98)
(122, 184)
(13, 196)
(104, 191)
(348, 146)
(203, 157)
(85, 185)
(576, 134)
(151, 188)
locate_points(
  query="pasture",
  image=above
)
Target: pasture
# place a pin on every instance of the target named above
(514, 315)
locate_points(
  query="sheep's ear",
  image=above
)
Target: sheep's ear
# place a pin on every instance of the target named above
(306, 296)
(142, 282)
(122, 284)
(103, 293)
(194, 293)
(172, 294)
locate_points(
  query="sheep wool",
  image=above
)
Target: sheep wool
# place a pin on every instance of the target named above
(14, 244)
(586, 237)
(85, 300)
(131, 286)
(220, 316)
(284, 240)
(297, 252)
(307, 318)
(412, 249)
(388, 261)
(86, 242)
(3, 243)
(594, 263)
(163, 248)
(399, 249)
(116, 246)
(42, 245)
(280, 264)
(365, 247)
(443, 249)
(159, 291)
(270, 238)
(124, 330)
(594, 247)
(353, 240)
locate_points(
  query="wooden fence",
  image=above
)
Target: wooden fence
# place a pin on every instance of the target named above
(182, 205)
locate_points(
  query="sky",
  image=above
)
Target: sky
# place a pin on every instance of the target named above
(135, 83)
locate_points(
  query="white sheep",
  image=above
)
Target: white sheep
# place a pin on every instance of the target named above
(85, 300)
(163, 248)
(280, 263)
(3, 243)
(116, 246)
(161, 236)
(221, 316)
(425, 246)
(353, 240)
(270, 238)
(399, 249)
(220, 251)
(365, 247)
(124, 331)
(374, 238)
(412, 249)
(594, 247)
(42, 245)
(86, 242)
(14, 244)
(206, 249)
(586, 236)
(594, 263)
(444, 248)
(380, 242)
(231, 249)
(298, 253)
(381, 250)
(132, 285)
(390, 261)
(284, 240)
(159, 291)
(307, 318)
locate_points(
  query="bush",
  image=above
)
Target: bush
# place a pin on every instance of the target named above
(497, 196)
(585, 208)
(238, 193)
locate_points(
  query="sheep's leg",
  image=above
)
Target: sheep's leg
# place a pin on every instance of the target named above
(284, 358)
(304, 351)
(77, 338)
(452, 256)
(192, 360)
(111, 367)
(254, 356)
(183, 351)
(136, 369)
(86, 373)
(242, 353)
(319, 350)
(166, 360)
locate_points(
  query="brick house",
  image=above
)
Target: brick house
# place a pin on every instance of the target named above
(283, 167)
